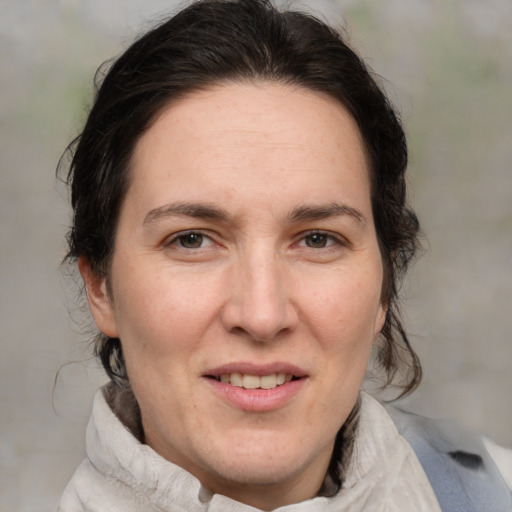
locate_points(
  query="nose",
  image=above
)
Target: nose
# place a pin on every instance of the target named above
(259, 306)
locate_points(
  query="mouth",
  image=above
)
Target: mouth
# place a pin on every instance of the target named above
(248, 381)
(257, 388)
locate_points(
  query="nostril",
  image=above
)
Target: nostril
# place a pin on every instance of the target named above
(238, 331)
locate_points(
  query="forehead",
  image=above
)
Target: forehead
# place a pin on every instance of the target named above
(259, 138)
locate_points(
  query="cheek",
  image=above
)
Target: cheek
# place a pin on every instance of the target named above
(159, 313)
(345, 308)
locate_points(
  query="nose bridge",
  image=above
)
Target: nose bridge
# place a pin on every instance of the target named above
(260, 304)
(264, 280)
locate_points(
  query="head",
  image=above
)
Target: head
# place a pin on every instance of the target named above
(167, 117)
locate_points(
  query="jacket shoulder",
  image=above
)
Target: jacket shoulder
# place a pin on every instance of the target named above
(462, 472)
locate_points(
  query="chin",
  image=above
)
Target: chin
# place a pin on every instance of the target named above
(260, 461)
(256, 473)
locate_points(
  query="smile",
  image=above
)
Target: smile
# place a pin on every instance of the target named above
(256, 388)
(248, 381)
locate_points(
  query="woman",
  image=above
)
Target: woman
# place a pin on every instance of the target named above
(241, 227)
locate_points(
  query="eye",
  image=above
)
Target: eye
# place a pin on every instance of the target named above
(318, 240)
(191, 240)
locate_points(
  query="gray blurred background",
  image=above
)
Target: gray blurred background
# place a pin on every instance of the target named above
(447, 65)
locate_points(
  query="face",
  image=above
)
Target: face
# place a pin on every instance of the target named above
(245, 286)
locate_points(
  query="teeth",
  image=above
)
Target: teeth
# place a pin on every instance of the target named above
(268, 381)
(254, 381)
(251, 382)
(236, 380)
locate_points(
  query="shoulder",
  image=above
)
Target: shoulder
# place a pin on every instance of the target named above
(87, 491)
(99, 482)
(121, 473)
(467, 472)
(502, 457)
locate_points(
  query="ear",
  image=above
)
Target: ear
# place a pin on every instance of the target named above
(98, 298)
(380, 318)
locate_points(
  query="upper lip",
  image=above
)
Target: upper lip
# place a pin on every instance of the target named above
(247, 368)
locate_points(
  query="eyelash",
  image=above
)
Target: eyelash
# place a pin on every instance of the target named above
(179, 237)
(329, 239)
(335, 240)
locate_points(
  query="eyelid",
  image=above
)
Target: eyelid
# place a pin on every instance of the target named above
(172, 239)
(340, 240)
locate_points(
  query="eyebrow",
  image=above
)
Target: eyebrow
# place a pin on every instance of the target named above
(318, 212)
(196, 210)
(212, 212)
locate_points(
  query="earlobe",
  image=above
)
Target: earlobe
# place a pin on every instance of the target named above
(98, 298)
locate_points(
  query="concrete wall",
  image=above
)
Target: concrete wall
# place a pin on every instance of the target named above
(449, 67)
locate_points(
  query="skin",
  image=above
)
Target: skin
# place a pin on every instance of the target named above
(259, 287)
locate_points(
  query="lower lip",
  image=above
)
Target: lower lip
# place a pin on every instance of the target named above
(257, 400)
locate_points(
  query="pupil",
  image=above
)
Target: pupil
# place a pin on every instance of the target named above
(192, 240)
(316, 240)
